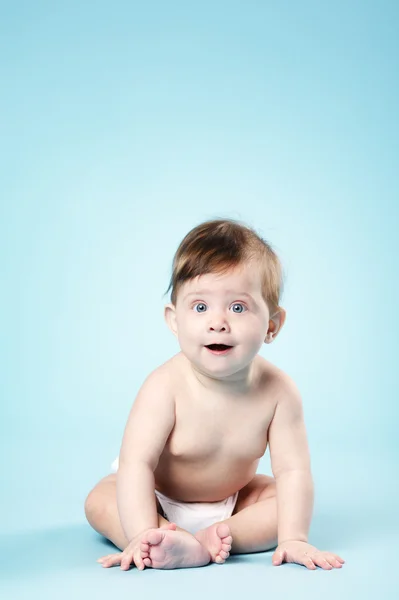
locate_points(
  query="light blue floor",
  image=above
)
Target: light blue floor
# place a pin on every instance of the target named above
(61, 563)
(355, 516)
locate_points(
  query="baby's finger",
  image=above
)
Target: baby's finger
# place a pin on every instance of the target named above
(126, 561)
(332, 559)
(321, 561)
(108, 556)
(138, 561)
(111, 560)
(308, 562)
(341, 560)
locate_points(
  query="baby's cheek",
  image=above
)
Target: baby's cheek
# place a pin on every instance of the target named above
(255, 340)
(189, 340)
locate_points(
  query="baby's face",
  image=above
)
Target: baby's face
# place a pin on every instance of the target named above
(222, 309)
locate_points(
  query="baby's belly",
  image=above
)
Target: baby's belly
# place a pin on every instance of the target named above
(202, 481)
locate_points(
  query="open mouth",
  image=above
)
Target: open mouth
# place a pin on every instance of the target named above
(218, 348)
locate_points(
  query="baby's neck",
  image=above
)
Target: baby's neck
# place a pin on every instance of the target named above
(238, 384)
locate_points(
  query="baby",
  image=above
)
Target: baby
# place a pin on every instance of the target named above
(186, 492)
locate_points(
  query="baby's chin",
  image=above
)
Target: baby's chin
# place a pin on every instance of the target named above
(215, 366)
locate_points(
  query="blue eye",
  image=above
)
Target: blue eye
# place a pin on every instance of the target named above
(240, 305)
(200, 304)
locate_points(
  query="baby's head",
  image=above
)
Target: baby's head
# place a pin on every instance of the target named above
(226, 286)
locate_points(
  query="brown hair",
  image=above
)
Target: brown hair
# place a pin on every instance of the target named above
(218, 245)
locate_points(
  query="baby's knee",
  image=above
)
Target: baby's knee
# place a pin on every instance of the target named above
(95, 506)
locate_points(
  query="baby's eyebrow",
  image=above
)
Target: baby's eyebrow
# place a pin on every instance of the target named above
(232, 292)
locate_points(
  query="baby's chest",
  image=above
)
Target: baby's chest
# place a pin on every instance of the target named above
(217, 431)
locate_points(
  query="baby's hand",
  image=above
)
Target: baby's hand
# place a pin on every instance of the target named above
(304, 554)
(132, 552)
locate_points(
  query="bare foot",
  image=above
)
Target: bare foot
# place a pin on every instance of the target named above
(172, 550)
(217, 540)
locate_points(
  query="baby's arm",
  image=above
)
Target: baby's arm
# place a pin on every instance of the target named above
(149, 425)
(290, 462)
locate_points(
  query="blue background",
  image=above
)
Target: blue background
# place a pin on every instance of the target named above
(122, 126)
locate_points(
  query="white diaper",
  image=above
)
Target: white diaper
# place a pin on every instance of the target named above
(193, 516)
(115, 465)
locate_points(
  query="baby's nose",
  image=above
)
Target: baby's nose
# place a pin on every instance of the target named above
(217, 328)
(218, 325)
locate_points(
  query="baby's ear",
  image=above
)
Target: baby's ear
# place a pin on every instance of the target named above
(276, 323)
(170, 318)
(268, 339)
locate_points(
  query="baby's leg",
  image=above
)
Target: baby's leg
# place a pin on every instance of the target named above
(102, 512)
(160, 549)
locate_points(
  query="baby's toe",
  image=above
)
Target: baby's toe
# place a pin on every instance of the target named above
(224, 554)
(153, 537)
(223, 530)
(227, 540)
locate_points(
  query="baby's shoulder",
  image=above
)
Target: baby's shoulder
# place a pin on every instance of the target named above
(274, 378)
(169, 373)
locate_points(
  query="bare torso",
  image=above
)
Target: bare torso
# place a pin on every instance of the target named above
(216, 444)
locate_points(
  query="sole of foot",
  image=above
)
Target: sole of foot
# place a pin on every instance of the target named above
(162, 549)
(217, 540)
